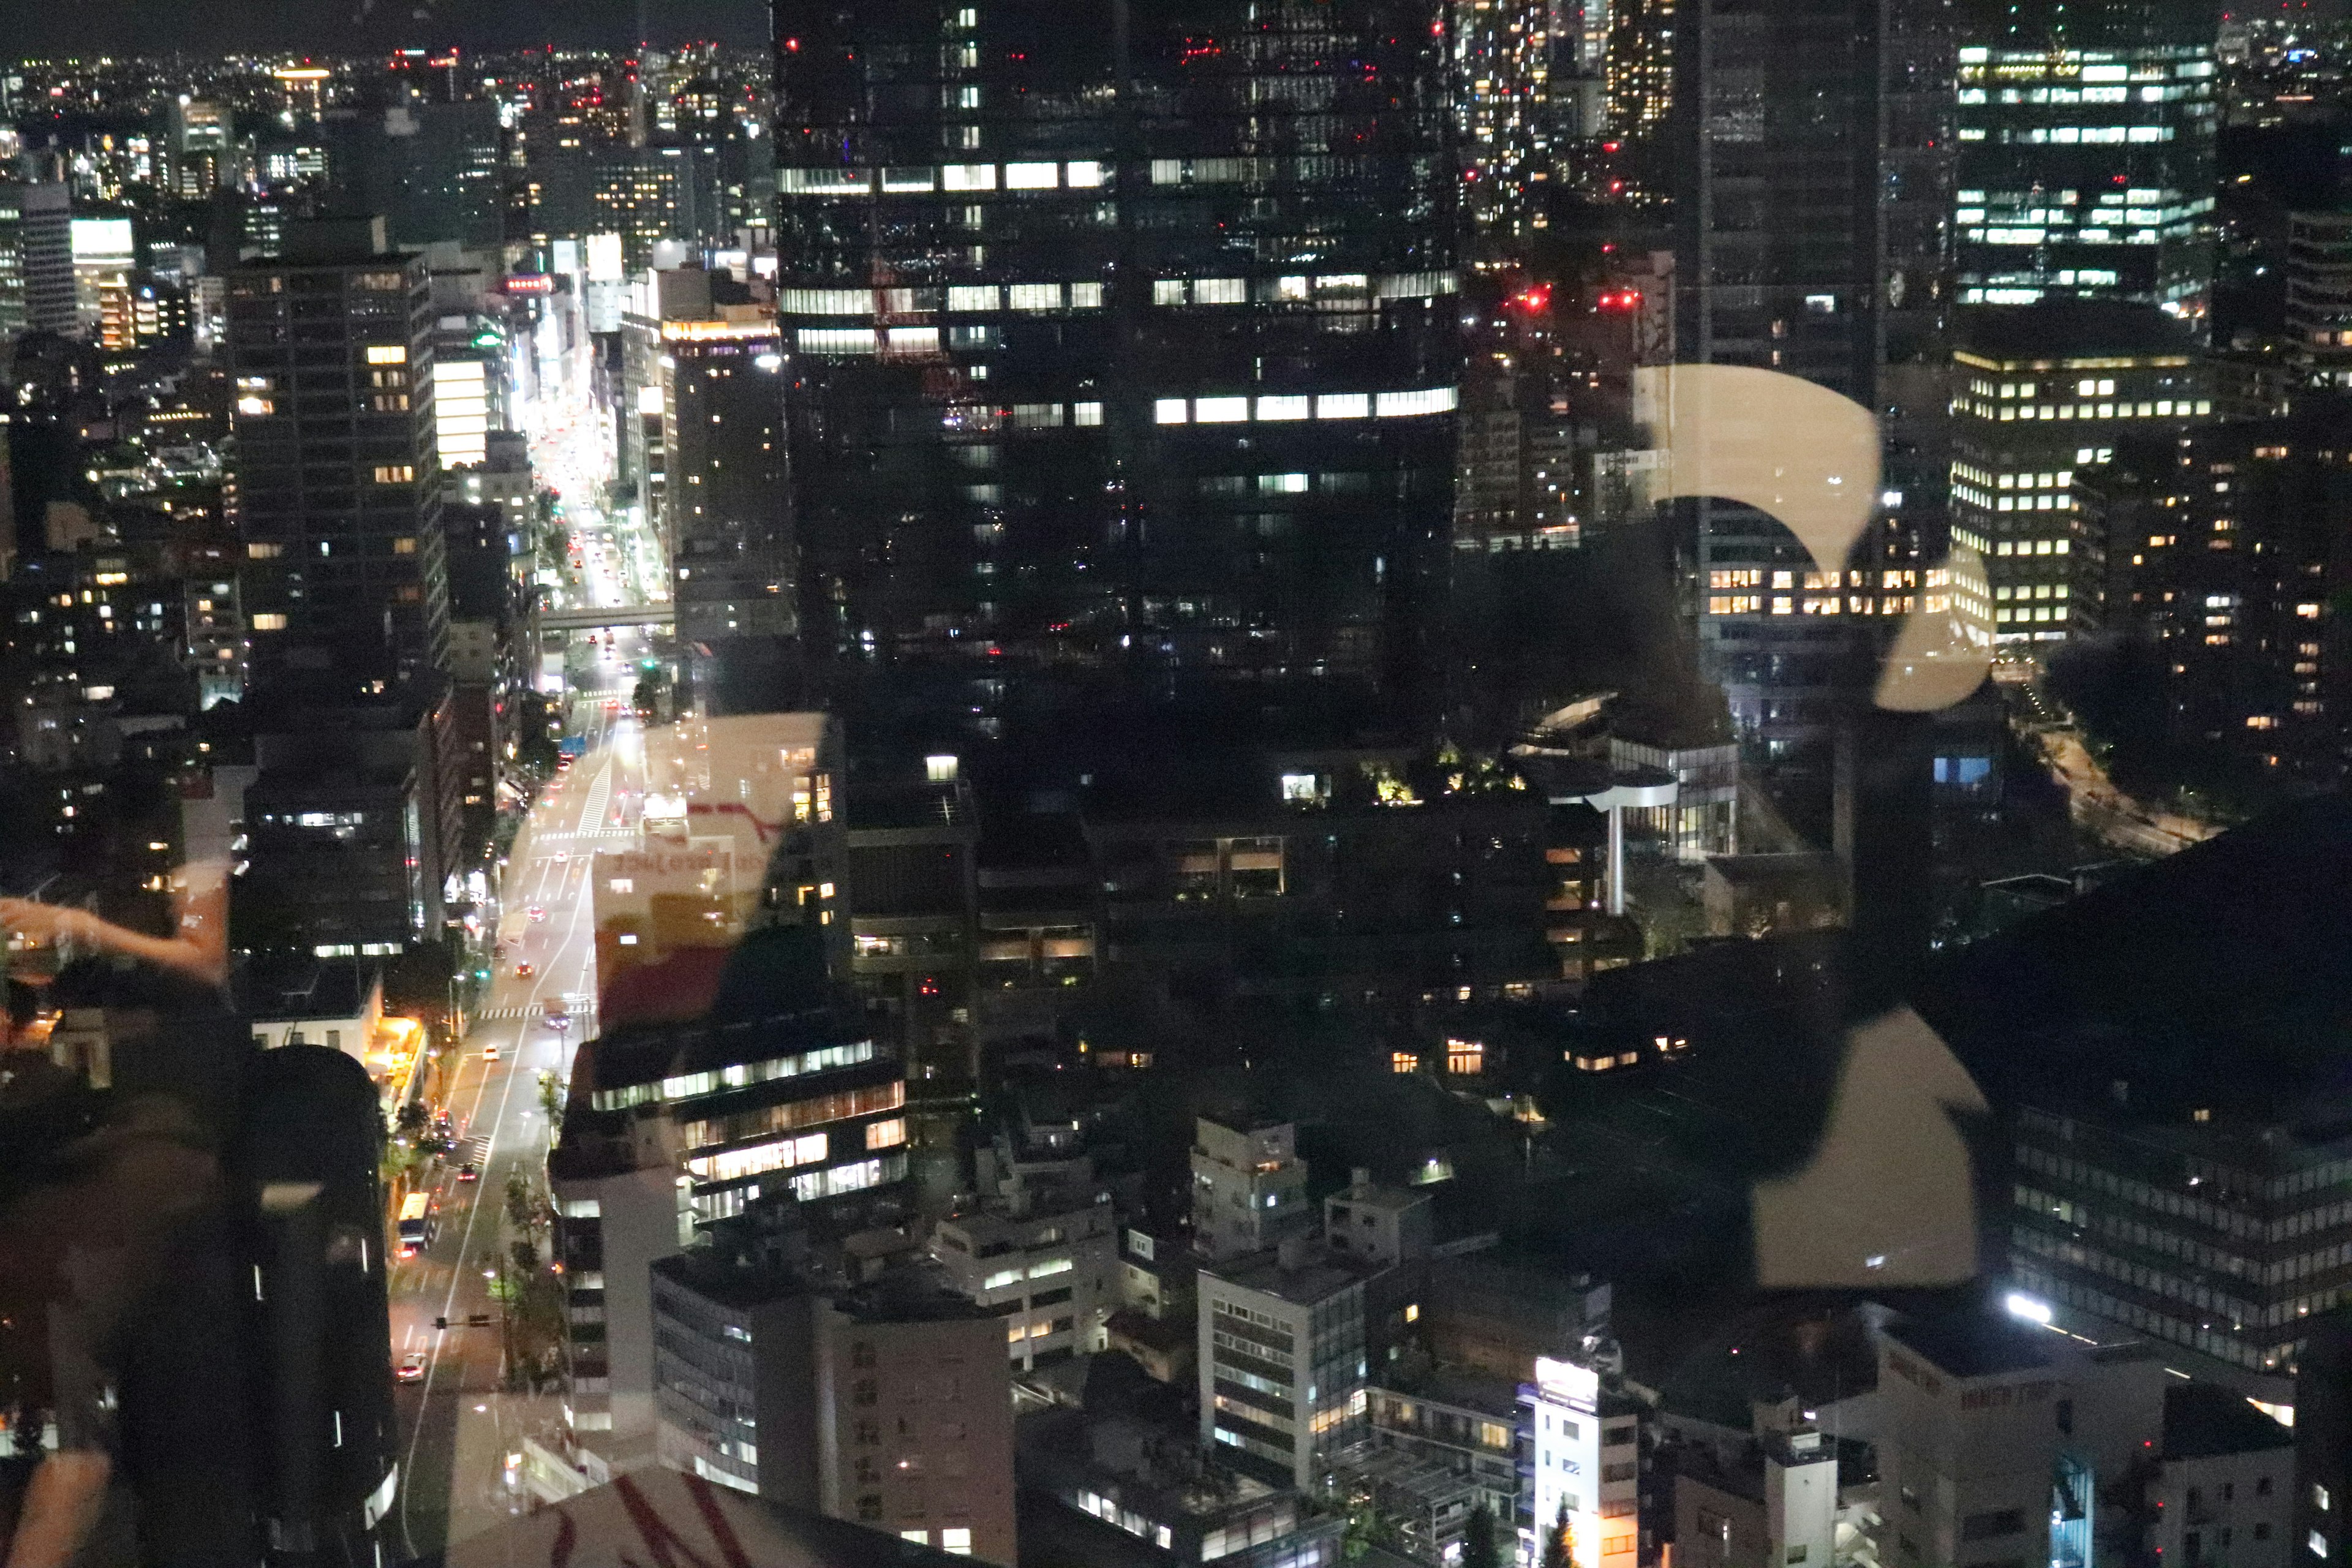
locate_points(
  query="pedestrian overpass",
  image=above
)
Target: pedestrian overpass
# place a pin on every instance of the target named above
(597, 619)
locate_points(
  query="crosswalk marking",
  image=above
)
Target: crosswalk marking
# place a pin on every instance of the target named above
(512, 1014)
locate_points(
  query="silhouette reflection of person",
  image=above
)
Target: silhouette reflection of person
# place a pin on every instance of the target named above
(94, 1188)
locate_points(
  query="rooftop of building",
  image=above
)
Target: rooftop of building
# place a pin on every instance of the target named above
(1740, 1472)
(908, 806)
(768, 996)
(656, 1515)
(2203, 1420)
(1419, 1378)
(1302, 1276)
(1971, 1343)
(906, 1292)
(1366, 1194)
(2056, 333)
(1131, 1430)
(284, 989)
(2212, 981)
(728, 1283)
(1783, 867)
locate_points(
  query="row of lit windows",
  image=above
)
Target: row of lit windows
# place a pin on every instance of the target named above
(2157, 408)
(1753, 577)
(1290, 289)
(2152, 92)
(2188, 61)
(1825, 605)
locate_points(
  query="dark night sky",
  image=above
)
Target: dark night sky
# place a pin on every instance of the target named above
(35, 28)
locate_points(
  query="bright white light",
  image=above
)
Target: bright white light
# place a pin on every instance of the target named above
(2026, 1307)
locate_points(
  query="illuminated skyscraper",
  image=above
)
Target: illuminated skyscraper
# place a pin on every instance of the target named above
(337, 500)
(2087, 138)
(1504, 64)
(1120, 348)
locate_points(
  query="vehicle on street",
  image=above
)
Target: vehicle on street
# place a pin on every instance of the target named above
(538, 913)
(412, 1368)
(490, 1053)
(523, 970)
(465, 1173)
(417, 1223)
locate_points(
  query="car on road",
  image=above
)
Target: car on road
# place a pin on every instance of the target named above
(563, 857)
(465, 1173)
(412, 1368)
(538, 913)
(490, 1053)
(523, 970)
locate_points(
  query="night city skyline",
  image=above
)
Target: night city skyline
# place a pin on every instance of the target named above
(1152, 783)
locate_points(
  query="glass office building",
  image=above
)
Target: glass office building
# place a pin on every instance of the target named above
(1121, 344)
(2086, 159)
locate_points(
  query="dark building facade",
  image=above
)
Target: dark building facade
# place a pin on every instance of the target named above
(1812, 242)
(2179, 1148)
(1123, 338)
(337, 502)
(2223, 548)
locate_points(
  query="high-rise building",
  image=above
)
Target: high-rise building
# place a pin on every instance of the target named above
(337, 502)
(1813, 244)
(2086, 140)
(724, 518)
(2040, 394)
(1506, 54)
(2223, 545)
(103, 257)
(890, 1404)
(1121, 347)
(1283, 1365)
(1635, 52)
(433, 170)
(2323, 1440)
(201, 149)
(12, 257)
(45, 246)
(2319, 295)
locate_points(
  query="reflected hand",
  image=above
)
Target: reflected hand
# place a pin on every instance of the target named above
(47, 924)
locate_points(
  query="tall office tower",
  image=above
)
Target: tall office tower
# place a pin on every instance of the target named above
(2040, 393)
(433, 170)
(201, 148)
(2087, 137)
(1812, 244)
(45, 245)
(2222, 546)
(336, 498)
(1121, 338)
(2318, 296)
(724, 520)
(702, 440)
(1638, 66)
(12, 258)
(1504, 57)
(2323, 1438)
